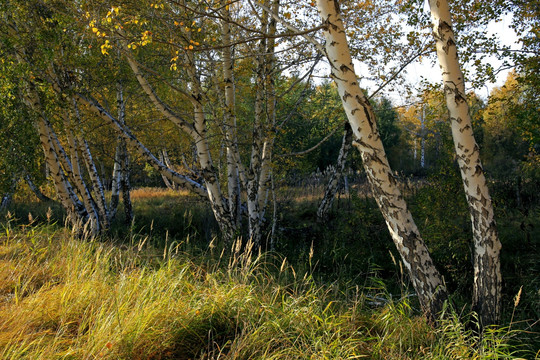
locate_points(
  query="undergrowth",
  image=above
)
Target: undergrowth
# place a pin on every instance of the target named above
(68, 298)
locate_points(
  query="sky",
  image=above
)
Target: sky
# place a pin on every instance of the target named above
(418, 69)
(427, 69)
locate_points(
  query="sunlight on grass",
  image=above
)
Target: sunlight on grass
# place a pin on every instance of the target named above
(65, 298)
(149, 192)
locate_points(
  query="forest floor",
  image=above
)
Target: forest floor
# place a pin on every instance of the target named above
(166, 288)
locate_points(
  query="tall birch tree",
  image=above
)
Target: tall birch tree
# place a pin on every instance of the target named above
(487, 247)
(426, 279)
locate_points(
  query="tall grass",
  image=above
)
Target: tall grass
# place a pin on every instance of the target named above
(68, 298)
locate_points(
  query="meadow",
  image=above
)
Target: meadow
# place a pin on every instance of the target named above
(165, 287)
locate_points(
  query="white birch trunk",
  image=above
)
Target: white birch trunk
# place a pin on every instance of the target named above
(172, 175)
(120, 149)
(76, 210)
(115, 183)
(219, 206)
(487, 247)
(73, 173)
(164, 158)
(268, 145)
(97, 185)
(35, 189)
(233, 157)
(254, 211)
(333, 182)
(5, 200)
(426, 280)
(66, 194)
(125, 185)
(197, 131)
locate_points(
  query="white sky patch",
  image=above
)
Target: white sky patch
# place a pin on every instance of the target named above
(425, 69)
(428, 68)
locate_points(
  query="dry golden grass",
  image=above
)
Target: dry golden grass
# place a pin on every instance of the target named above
(66, 298)
(153, 192)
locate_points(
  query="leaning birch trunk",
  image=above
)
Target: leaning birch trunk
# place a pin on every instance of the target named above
(130, 139)
(66, 194)
(75, 209)
(332, 186)
(427, 281)
(487, 273)
(35, 189)
(99, 191)
(219, 205)
(169, 184)
(5, 200)
(73, 171)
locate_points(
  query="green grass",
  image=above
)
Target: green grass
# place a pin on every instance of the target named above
(67, 298)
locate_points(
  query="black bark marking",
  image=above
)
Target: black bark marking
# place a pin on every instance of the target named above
(478, 170)
(463, 129)
(344, 68)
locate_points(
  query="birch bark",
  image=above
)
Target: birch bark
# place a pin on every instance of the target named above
(220, 206)
(332, 186)
(164, 158)
(35, 189)
(255, 164)
(427, 281)
(115, 183)
(77, 211)
(140, 148)
(487, 273)
(234, 166)
(270, 95)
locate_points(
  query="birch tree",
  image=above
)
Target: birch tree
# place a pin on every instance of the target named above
(209, 129)
(48, 78)
(487, 247)
(426, 280)
(332, 186)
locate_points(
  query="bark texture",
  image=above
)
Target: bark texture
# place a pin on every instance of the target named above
(35, 189)
(130, 139)
(333, 182)
(487, 247)
(426, 280)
